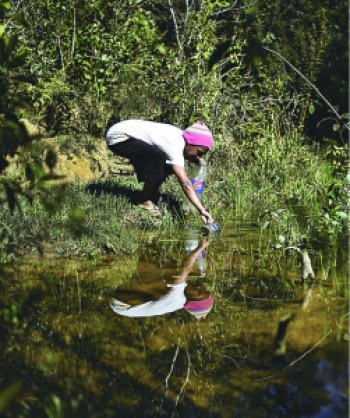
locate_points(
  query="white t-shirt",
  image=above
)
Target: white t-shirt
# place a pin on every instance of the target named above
(174, 300)
(164, 136)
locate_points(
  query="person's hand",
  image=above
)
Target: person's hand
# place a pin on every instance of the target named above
(206, 217)
(205, 242)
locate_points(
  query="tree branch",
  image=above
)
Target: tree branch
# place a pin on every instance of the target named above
(305, 79)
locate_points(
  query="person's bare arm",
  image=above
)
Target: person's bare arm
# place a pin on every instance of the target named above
(191, 194)
(190, 261)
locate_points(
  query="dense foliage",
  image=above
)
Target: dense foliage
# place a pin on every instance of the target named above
(176, 60)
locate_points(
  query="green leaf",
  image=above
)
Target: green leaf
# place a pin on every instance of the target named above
(6, 5)
(9, 395)
(10, 43)
(2, 29)
(342, 214)
(311, 109)
(252, 10)
(266, 225)
(39, 170)
(161, 49)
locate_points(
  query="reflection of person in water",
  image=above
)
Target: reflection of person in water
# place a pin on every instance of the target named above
(163, 298)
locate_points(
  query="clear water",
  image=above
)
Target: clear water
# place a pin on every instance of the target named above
(74, 356)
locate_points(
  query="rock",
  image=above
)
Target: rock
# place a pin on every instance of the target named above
(88, 166)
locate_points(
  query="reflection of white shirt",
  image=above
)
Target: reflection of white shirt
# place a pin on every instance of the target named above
(164, 136)
(174, 300)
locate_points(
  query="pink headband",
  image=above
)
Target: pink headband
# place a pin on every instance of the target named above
(199, 308)
(198, 134)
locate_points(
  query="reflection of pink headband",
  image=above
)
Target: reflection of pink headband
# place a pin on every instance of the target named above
(199, 308)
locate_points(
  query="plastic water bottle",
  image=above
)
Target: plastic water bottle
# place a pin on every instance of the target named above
(201, 263)
(197, 176)
(211, 229)
(191, 243)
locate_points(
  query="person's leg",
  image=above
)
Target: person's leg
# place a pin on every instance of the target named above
(154, 177)
(149, 164)
(167, 171)
(150, 188)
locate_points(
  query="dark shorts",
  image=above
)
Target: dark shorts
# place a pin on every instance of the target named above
(148, 161)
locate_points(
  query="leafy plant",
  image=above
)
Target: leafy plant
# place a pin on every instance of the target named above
(12, 87)
(15, 139)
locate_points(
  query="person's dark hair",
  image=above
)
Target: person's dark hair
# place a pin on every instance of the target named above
(111, 121)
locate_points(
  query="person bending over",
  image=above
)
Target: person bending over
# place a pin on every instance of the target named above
(157, 150)
(160, 298)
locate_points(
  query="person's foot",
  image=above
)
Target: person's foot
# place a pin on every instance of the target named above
(151, 208)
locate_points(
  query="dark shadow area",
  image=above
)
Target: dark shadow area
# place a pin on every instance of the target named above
(99, 188)
(142, 401)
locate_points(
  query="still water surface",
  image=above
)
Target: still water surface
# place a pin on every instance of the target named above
(269, 346)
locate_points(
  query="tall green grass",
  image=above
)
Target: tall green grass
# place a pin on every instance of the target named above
(276, 169)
